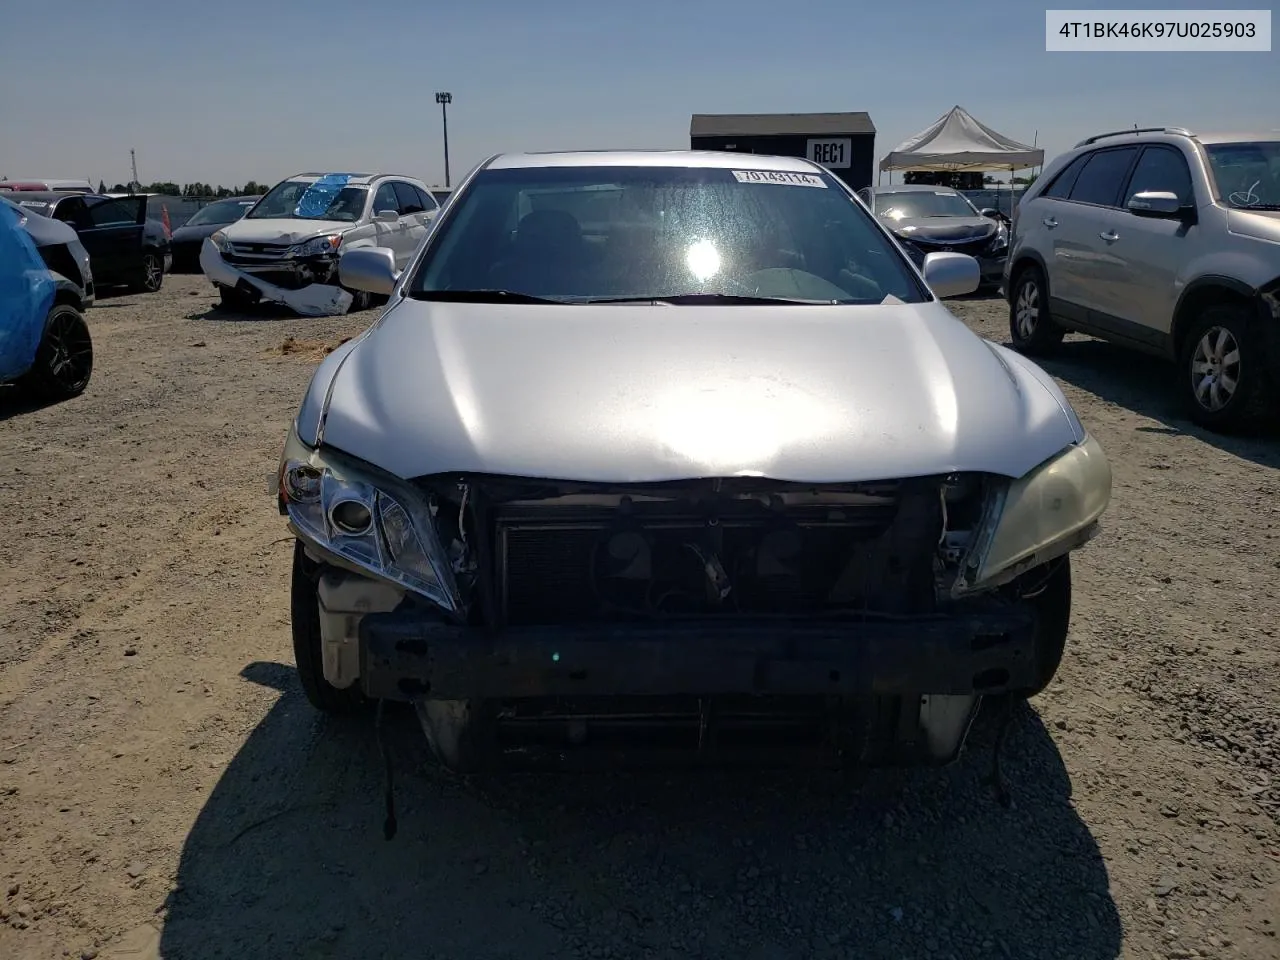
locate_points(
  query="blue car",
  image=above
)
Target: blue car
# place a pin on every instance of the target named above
(46, 284)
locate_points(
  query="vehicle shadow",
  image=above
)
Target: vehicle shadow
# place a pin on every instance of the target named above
(287, 857)
(1145, 385)
(15, 402)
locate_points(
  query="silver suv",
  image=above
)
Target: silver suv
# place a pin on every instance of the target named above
(1164, 241)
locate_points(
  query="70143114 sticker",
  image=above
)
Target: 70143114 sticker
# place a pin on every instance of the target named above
(783, 177)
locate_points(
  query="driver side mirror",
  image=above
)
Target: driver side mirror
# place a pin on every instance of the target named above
(387, 216)
(371, 269)
(991, 213)
(951, 274)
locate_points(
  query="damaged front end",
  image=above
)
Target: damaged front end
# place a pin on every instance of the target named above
(302, 276)
(862, 621)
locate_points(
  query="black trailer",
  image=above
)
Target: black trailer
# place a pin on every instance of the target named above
(842, 142)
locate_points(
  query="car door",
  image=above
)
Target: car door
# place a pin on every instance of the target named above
(414, 217)
(111, 229)
(1088, 271)
(1152, 249)
(390, 234)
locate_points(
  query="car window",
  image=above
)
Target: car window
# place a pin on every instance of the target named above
(1100, 179)
(408, 197)
(1163, 170)
(579, 234)
(113, 213)
(922, 204)
(1060, 189)
(222, 211)
(386, 199)
(427, 200)
(1247, 174)
(311, 200)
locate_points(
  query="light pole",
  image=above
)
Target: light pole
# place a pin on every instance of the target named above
(444, 99)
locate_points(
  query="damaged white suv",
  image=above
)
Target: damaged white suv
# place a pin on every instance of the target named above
(285, 250)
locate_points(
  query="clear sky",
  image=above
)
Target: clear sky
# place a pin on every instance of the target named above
(236, 90)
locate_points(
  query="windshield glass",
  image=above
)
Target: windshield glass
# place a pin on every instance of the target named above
(1247, 174)
(41, 207)
(917, 204)
(296, 200)
(224, 211)
(582, 234)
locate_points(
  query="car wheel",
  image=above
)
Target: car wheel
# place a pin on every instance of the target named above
(360, 300)
(1050, 600)
(1032, 330)
(64, 359)
(1224, 382)
(152, 276)
(304, 611)
(230, 298)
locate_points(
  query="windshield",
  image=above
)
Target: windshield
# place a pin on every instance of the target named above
(918, 204)
(584, 234)
(42, 207)
(224, 211)
(311, 200)
(1247, 174)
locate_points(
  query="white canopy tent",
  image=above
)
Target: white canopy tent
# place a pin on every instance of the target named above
(958, 143)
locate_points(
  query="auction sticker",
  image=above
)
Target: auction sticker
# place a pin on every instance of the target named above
(779, 176)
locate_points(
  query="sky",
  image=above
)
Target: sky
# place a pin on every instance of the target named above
(227, 92)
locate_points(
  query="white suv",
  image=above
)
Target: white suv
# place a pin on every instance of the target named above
(286, 248)
(1164, 241)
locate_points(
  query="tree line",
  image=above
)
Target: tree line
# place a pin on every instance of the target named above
(197, 190)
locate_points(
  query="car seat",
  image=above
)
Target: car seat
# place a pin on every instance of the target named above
(546, 257)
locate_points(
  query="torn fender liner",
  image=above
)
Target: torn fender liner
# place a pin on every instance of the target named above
(316, 300)
(26, 296)
(317, 198)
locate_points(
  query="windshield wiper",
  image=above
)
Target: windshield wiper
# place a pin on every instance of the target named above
(693, 299)
(479, 296)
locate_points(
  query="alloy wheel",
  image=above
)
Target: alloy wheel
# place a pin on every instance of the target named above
(1215, 368)
(152, 272)
(1026, 309)
(70, 351)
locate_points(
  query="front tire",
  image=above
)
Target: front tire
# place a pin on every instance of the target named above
(1032, 329)
(1051, 602)
(64, 359)
(304, 610)
(1221, 366)
(231, 299)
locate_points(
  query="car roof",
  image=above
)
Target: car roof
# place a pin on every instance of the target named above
(48, 196)
(1242, 137)
(353, 179)
(711, 159)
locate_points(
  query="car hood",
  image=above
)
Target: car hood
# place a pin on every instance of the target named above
(1255, 224)
(936, 229)
(631, 393)
(187, 234)
(283, 230)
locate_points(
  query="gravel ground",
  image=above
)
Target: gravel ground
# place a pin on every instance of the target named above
(165, 791)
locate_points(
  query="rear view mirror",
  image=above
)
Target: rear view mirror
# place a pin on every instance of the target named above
(387, 216)
(1155, 203)
(951, 274)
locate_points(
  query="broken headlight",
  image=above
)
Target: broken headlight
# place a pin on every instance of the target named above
(1047, 512)
(316, 247)
(364, 519)
(219, 240)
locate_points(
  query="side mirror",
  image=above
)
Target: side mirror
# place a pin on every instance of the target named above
(951, 274)
(1155, 203)
(387, 216)
(991, 212)
(370, 269)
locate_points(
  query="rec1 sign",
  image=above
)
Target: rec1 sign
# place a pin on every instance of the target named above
(830, 153)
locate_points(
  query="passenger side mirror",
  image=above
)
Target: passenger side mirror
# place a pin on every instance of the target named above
(951, 274)
(370, 269)
(991, 212)
(387, 216)
(1155, 203)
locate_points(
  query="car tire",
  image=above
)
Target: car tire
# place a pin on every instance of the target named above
(151, 277)
(1206, 370)
(230, 298)
(360, 300)
(1051, 602)
(304, 615)
(64, 359)
(1032, 329)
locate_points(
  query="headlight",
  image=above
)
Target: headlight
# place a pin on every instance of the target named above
(220, 241)
(316, 247)
(372, 521)
(1038, 517)
(1000, 240)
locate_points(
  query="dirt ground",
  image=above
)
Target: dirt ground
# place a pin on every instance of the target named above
(165, 791)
